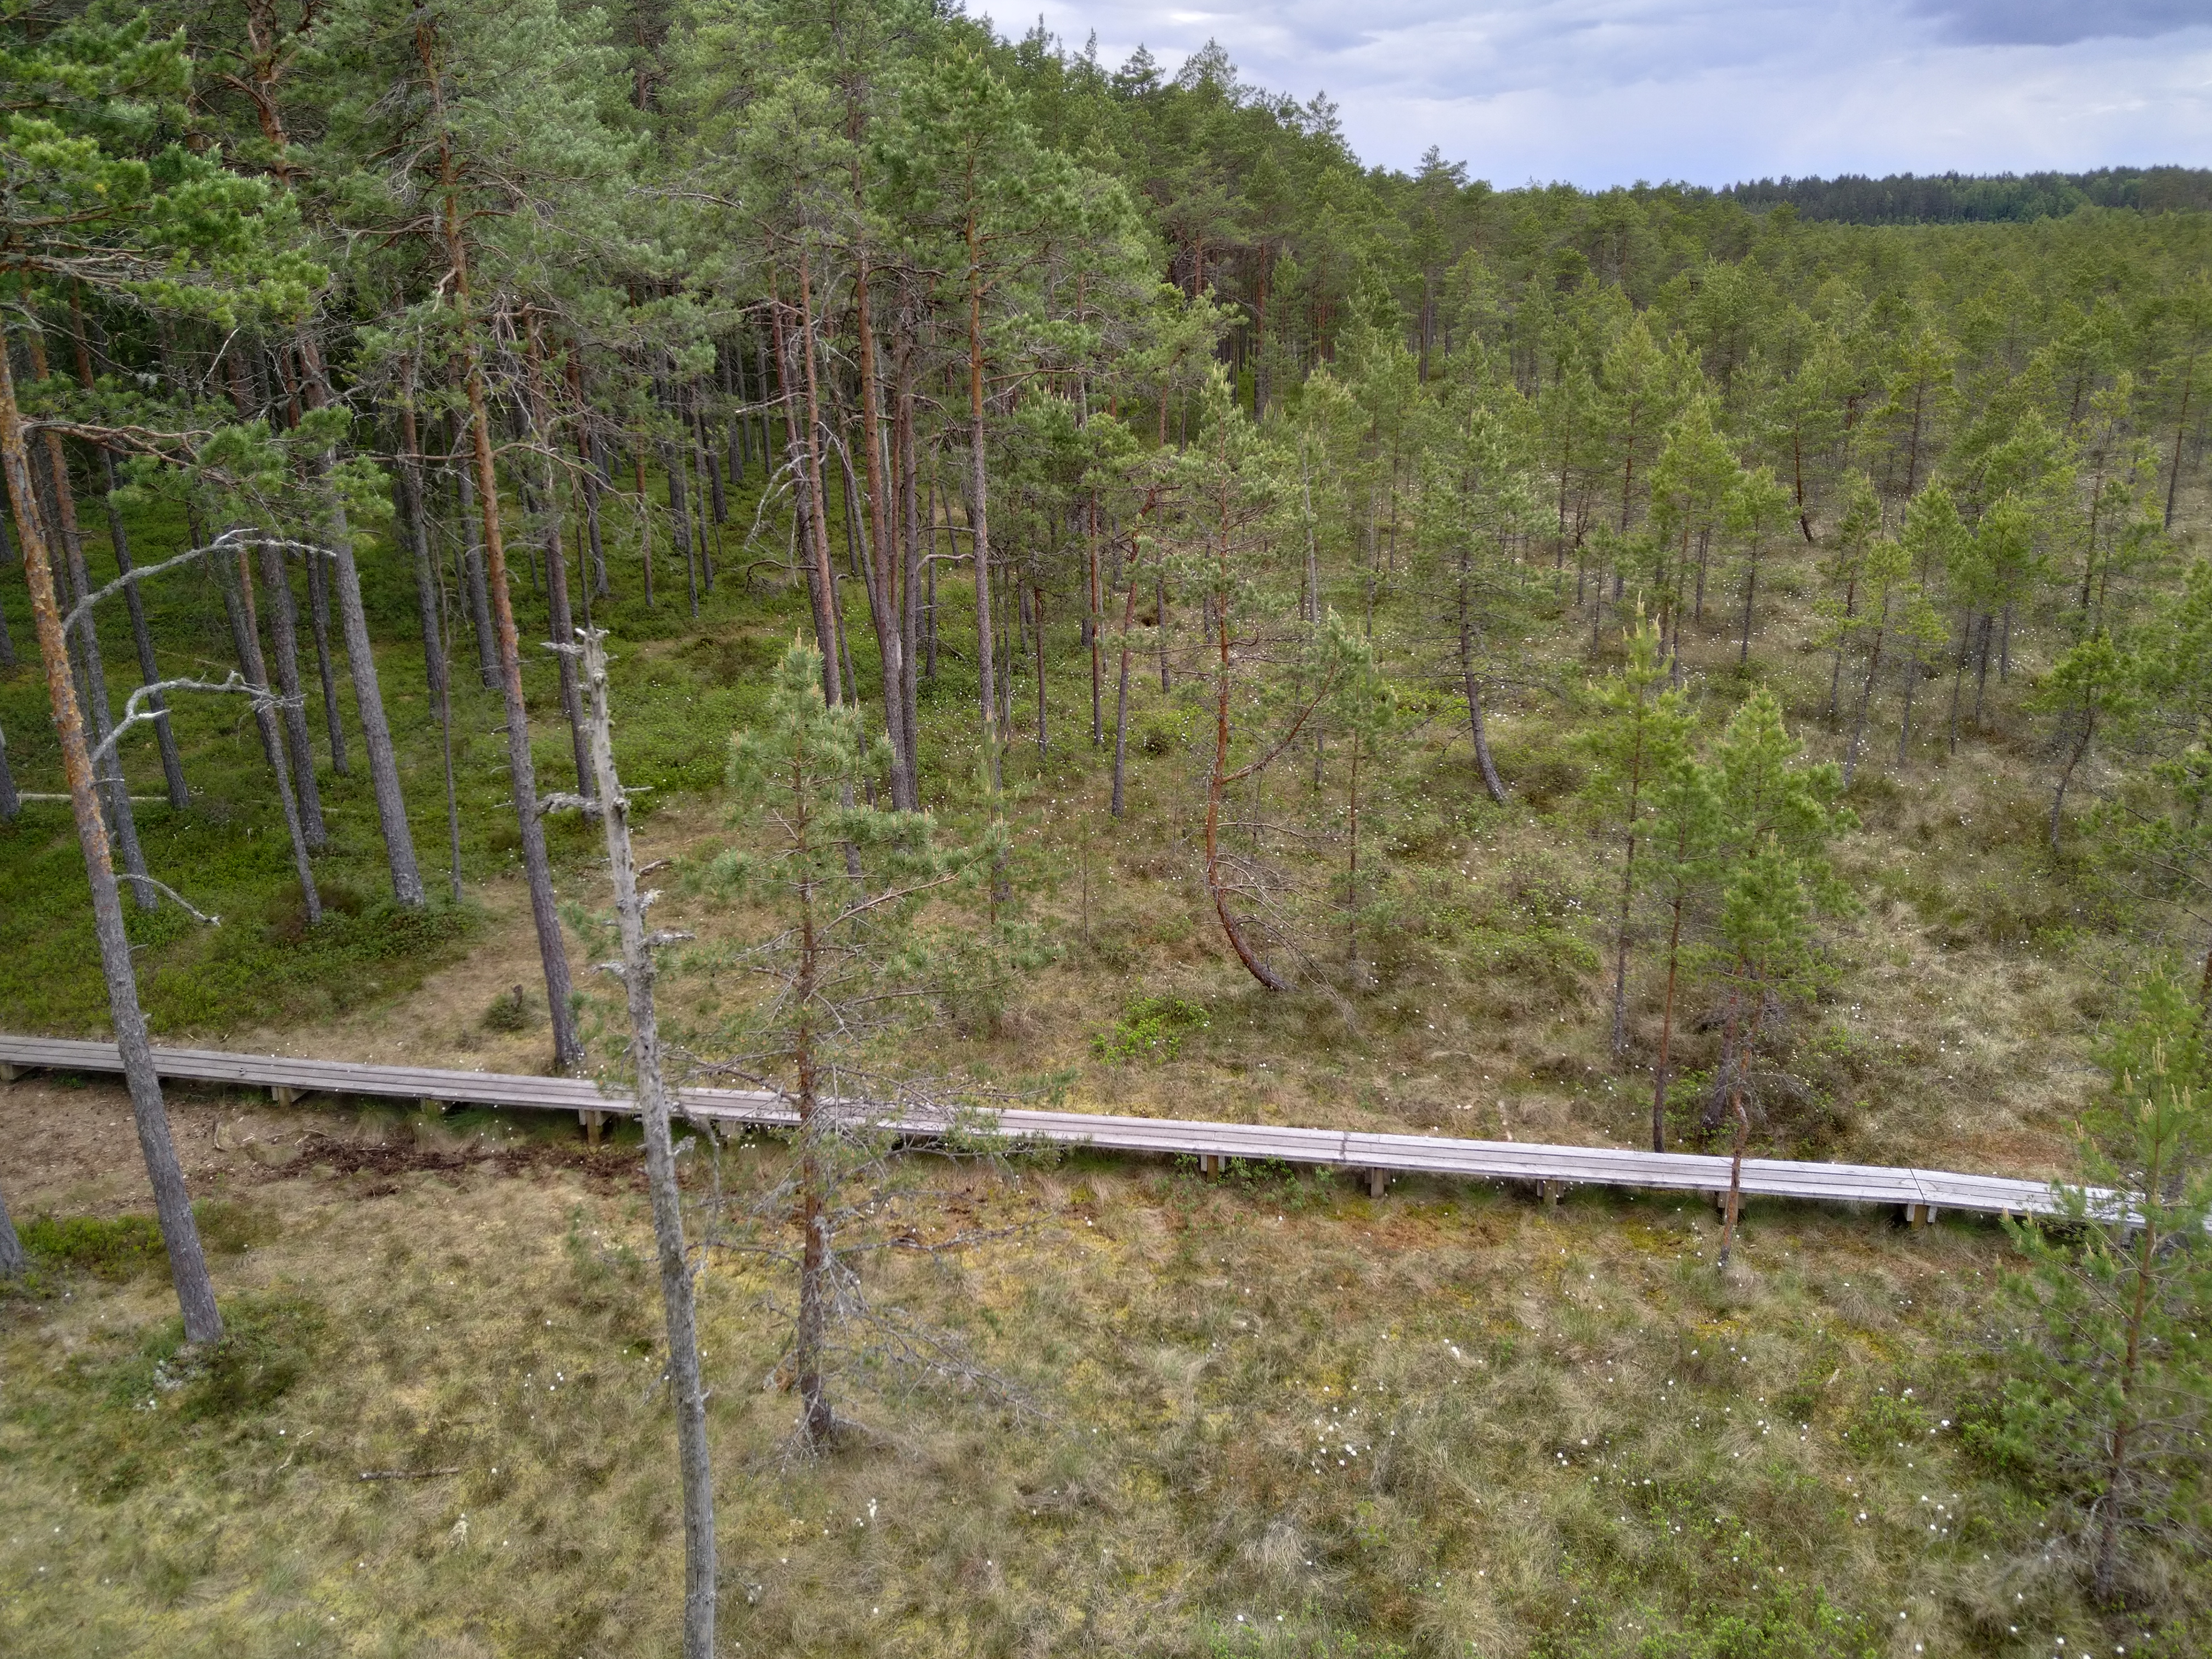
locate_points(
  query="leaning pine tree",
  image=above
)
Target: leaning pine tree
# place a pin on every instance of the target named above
(177, 232)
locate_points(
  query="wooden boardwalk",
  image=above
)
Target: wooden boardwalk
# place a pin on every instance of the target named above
(1919, 1193)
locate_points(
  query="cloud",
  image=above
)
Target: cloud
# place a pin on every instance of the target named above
(1603, 91)
(2057, 22)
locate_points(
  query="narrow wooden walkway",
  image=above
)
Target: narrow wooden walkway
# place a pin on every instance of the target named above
(1919, 1193)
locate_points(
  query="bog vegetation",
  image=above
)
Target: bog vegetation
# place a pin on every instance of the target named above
(1092, 593)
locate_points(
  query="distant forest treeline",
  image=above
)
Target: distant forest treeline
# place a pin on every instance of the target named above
(1944, 199)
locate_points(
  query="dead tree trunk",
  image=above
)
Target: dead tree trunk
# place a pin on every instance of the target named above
(11, 1247)
(472, 571)
(318, 624)
(236, 580)
(407, 482)
(677, 1299)
(556, 564)
(149, 673)
(172, 1203)
(283, 627)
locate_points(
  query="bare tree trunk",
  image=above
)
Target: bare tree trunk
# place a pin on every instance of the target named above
(444, 695)
(909, 495)
(883, 584)
(11, 803)
(587, 449)
(679, 520)
(1038, 605)
(12, 1261)
(1659, 1073)
(8, 556)
(407, 484)
(557, 562)
(822, 578)
(118, 541)
(319, 622)
(172, 1203)
(568, 1050)
(1750, 592)
(677, 1288)
(1122, 697)
(1217, 779)
(1866, 695)
(1093, 616)
(78, 584)
(283, 630)
(2066, 777)
(979, 493)
(472, 571)
(1627, 901)
(236, 578)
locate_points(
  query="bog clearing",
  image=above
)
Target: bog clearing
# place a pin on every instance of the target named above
(1072, 594)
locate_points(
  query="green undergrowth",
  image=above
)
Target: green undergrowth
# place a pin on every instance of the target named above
(681, 686)
(116, 1247)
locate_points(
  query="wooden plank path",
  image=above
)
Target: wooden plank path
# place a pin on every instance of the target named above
(1919, 1193)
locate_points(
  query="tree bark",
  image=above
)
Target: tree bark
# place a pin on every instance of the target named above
(283, 628)
(678, 1306)
(568, 1050)
(821, 581)
(12, 1261)
(236, 578)
(134, 602)
(557, 562)
(979, 491)
(594, 473)
(77, 582)
(883, 589)
(1659, 1073)
(318, 622)
(172, 1203)
(1866, 695)
(1122, 697)
(11, 803)
(472, 569)
(407, 484)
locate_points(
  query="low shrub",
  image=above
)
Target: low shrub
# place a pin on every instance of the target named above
(1151, 1028)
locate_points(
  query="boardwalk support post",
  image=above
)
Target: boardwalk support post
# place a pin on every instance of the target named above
(9, 1074)
(1375, 1180)
(1549, 1191)
(593, 1122)
(282, 1094)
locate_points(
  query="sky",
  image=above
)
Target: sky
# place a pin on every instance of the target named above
(1606, 92)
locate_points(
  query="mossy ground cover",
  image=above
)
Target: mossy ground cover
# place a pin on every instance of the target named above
(1213, 1338)
(1261, 1415)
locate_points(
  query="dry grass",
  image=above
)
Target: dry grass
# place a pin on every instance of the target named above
(1448, 1422)
(1508, 1380)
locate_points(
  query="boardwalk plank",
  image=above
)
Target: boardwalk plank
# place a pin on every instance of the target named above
(1550, 1168)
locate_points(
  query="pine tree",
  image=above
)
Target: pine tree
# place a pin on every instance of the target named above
(842, 950)
(2106, 1391)
(2093, 687)
(177, 232)
(1640, 730)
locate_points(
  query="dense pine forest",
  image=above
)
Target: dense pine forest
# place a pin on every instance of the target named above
(1055, 583)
